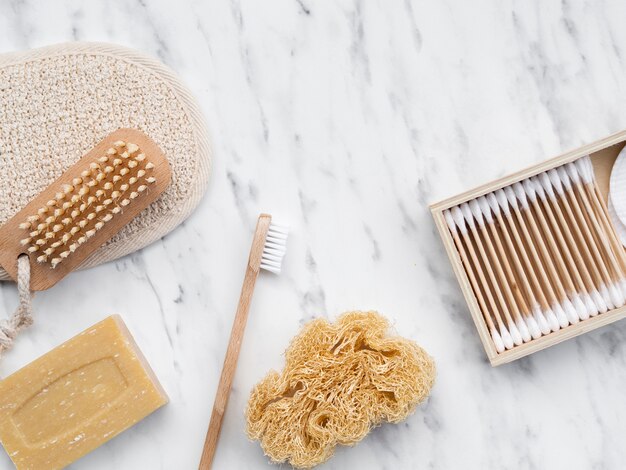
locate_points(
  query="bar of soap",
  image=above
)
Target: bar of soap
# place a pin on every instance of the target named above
(76, 397)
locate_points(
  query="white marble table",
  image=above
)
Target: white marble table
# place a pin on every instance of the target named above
(347, 119)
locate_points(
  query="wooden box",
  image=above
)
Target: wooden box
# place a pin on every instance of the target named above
(602, 154)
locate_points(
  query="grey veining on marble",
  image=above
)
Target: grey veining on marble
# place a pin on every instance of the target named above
(346, 119)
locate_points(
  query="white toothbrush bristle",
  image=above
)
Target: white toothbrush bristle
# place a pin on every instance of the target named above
(275, 248)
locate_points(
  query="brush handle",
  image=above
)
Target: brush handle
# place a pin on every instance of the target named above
(234, 344)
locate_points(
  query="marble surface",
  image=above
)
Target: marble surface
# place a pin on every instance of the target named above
(346, 119)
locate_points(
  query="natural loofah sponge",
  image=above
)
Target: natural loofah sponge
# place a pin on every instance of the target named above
(340, 379)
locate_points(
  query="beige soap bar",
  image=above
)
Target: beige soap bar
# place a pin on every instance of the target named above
(76, 397)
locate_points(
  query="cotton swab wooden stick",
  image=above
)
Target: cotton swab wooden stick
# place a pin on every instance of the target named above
(505, 281)
(591, 309)
(585, 170)
(617, 299)
(570, 290)
(559, 317)
(591, 282)
(537, 300)
(603, 238)
(469, 269)
(526, 320)
(568, 308)
(267, 251)
(469, 219)
(459, 220)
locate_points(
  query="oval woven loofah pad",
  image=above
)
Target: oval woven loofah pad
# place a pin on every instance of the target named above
(340, 380)
(58, 102)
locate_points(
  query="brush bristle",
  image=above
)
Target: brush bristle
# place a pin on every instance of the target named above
(275, 248)
(84, 205)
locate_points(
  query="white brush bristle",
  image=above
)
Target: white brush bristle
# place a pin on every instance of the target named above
(275, 248)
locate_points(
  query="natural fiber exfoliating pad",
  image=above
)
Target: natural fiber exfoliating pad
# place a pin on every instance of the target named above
(340, 379)
(60, 101)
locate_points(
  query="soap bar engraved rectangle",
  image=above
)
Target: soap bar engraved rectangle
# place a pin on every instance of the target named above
(76, 397)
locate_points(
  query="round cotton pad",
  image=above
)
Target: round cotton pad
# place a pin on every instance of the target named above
(617, 188)
(64, 99)
(620, 228)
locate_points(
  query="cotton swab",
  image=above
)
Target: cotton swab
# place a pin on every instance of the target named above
(568, 308)
(495, 336)
(469, 219)
(516, 301)
(555, 304)
(591, 309)
(538, 301)
(544, 180)
(527, 321)
(603, 233)
(570, 290)
(616, 296)
(459, 220)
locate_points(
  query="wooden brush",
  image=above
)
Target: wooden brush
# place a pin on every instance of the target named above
(84, 207)
(268, 248)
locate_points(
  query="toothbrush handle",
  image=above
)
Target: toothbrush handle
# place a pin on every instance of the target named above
(234, 344)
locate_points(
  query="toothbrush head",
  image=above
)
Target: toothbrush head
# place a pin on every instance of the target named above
(274, 248)
(85, 207)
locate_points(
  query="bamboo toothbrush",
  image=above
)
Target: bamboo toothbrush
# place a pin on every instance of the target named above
(542, 312)
(591, 285)
(591, 309)
(459, 220)
(495, 336)
(533, 311)
(570, 291)
(512, 327)
(559, 317)
(482, 214)
(561, 183)
(602, 236)
(267, 251)
(585, 169)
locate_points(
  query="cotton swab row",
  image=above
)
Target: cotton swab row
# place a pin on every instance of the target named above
(540, 254)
